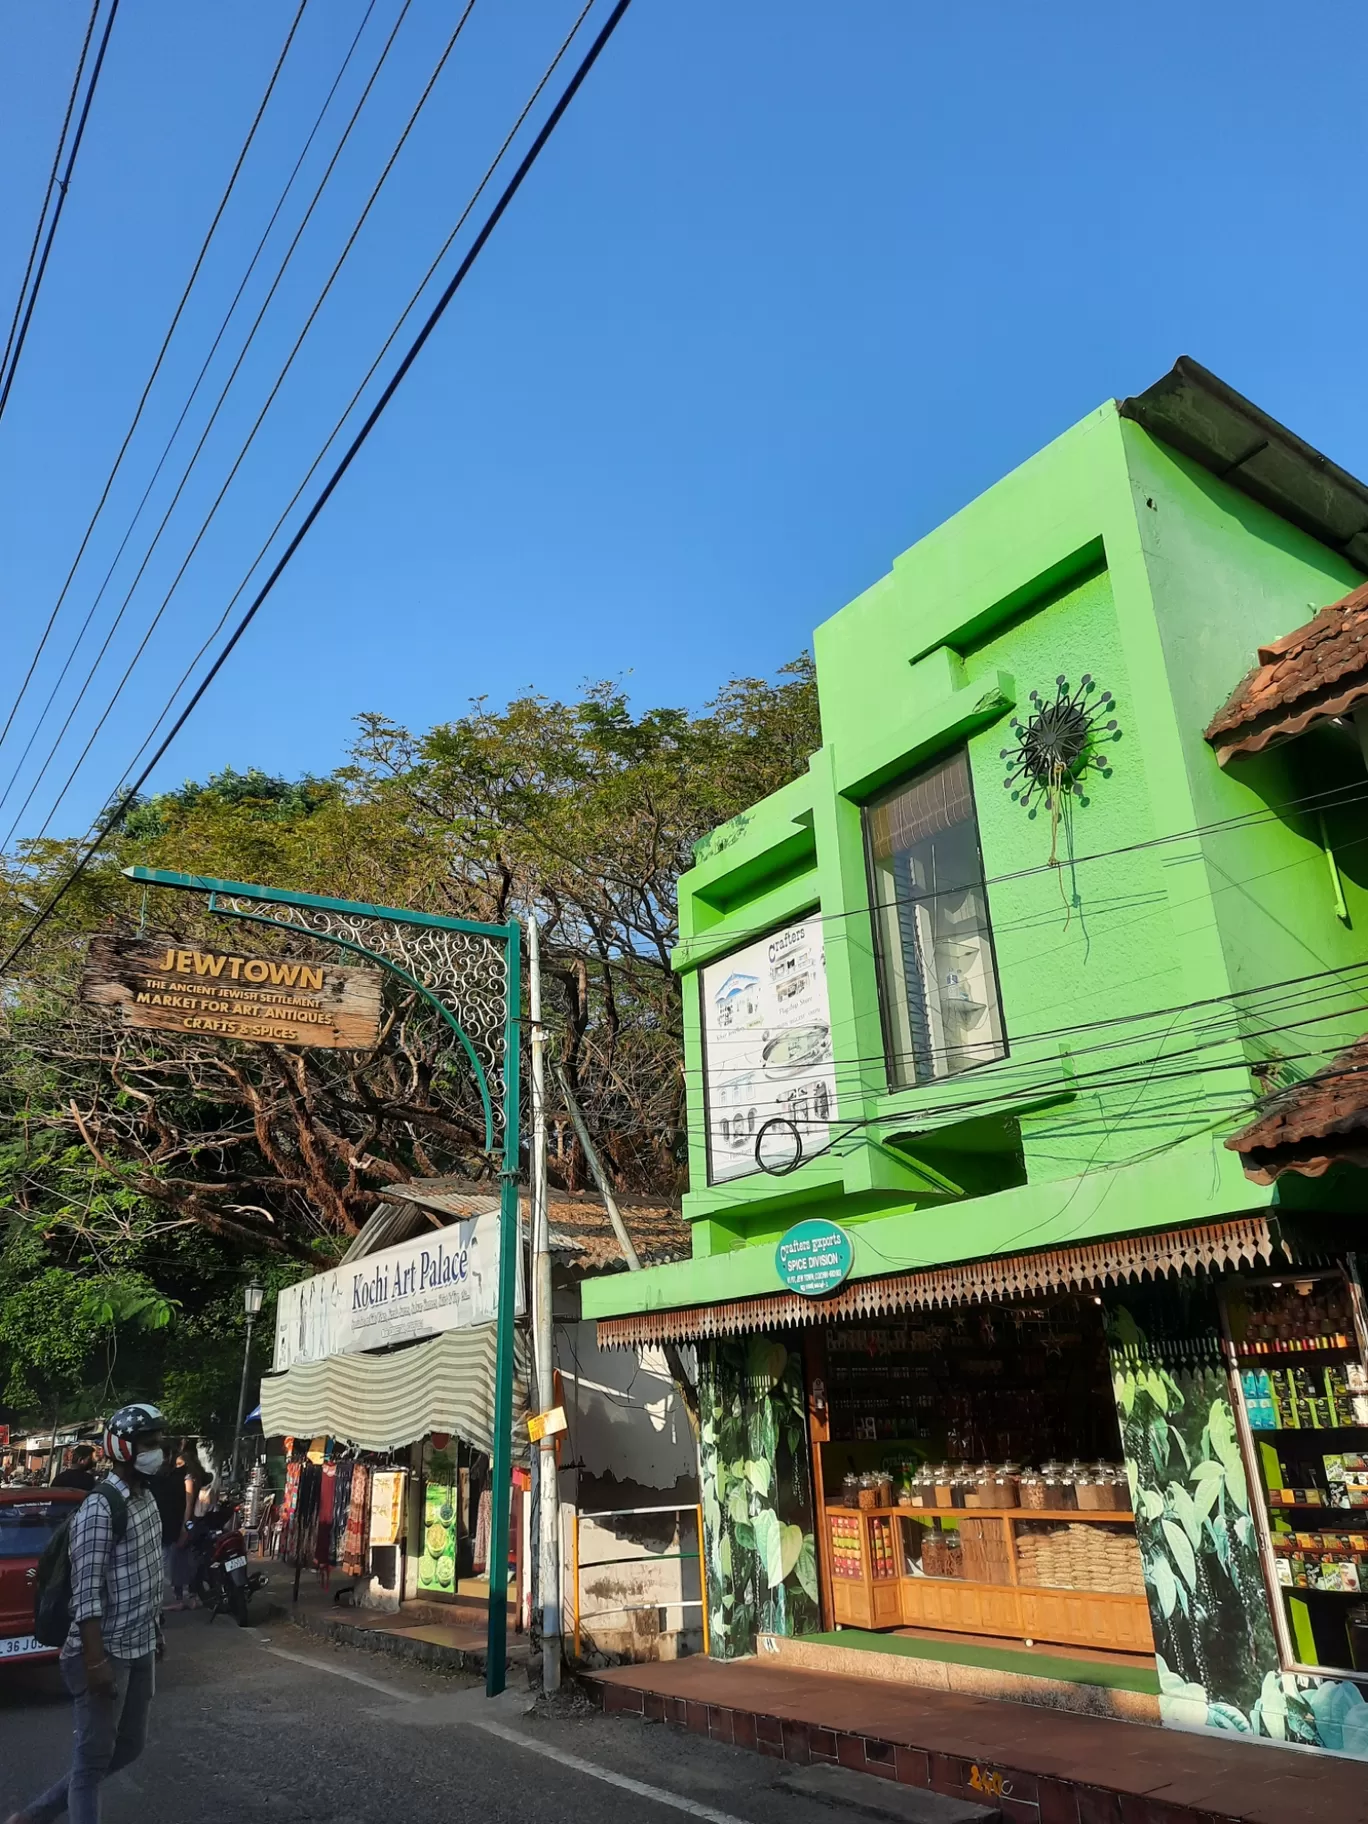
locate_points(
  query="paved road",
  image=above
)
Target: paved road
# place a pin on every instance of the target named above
(271, 1724)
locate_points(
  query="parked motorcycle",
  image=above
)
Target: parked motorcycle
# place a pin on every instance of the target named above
(220, 1577)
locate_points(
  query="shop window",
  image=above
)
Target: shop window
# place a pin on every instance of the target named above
(937, 979)
(1297, 1342)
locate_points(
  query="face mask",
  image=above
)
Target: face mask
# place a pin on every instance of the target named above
(148, 1462)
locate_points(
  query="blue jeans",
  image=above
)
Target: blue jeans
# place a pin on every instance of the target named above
(108, 1733)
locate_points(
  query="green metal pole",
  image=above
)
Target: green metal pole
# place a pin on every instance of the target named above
(501, 1464)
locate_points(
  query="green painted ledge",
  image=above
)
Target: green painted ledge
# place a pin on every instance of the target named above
(1194, 1183)
(1020, 1660)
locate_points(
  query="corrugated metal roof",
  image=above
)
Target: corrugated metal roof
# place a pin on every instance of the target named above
(1314, 673)
(1198, 414)
(1319, 1122)
(580, 1229)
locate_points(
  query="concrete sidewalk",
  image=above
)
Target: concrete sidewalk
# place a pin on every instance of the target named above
(447, 1635)
(1040, 1766)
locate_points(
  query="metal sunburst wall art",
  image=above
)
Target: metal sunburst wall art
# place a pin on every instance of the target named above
(1059, 744)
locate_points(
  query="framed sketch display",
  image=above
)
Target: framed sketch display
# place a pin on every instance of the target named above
(767, 1047)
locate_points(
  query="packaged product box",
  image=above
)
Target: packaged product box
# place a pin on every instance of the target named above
(1283, 1567)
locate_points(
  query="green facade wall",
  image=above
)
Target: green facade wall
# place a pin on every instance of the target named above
(1108, 554)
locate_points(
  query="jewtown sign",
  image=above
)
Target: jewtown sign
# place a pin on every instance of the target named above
(221, 994)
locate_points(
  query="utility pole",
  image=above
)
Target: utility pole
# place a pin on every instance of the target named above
(253, 1297)
(543, 1333)
(600, 1177)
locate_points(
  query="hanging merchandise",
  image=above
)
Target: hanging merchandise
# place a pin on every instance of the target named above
(346, 1469)
(437, 1566)
(356, 1543)
(482, 1530)
(298, 1535)
(323, 1533)
(387, 1506)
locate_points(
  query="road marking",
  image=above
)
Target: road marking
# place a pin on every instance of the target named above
(657, 1794)
(357, 1678)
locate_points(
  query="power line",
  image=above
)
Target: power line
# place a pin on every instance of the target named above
(64, 185)
(51, 184)
(372, 418)
(137, 415)
(185, 477)
(366, 379)
(1332, 799)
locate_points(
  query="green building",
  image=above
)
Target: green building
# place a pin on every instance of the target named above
(972, 1010)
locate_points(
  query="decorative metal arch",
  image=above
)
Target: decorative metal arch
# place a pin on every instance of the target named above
(470, 974)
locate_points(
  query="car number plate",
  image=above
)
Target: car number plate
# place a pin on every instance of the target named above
(20, 1645)
(235, 1564)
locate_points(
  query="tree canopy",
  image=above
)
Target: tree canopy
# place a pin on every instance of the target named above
(160, 1165)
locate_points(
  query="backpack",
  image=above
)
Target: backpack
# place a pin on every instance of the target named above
(52, 1590)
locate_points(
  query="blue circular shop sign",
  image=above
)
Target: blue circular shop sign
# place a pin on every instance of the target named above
(814, 1257)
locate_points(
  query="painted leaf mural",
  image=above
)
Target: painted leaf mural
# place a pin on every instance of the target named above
(1215, 1648)
(759, 1549)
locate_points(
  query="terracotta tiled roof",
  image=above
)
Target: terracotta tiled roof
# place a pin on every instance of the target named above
(1320, 1122)
(580, 1230)
(1317, 671)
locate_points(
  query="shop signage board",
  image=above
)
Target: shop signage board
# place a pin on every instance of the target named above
(222, 994)
(767, 1047)
(814, 1257)
(547, 1424)
(442, 1280)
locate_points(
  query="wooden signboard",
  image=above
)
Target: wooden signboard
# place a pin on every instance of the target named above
(217, 993)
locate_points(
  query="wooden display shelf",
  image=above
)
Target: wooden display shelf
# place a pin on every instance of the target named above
(1307, 1431)
(1089, 1515)
(1026, 1611)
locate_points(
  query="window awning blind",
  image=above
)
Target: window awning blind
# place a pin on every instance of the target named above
(934, 801)
(382, 1402)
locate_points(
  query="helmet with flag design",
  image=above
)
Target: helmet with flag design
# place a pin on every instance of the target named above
(128, 1427)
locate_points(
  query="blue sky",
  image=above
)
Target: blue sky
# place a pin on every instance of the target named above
(792, 283)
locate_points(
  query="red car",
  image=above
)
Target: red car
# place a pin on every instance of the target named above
(28, 1519)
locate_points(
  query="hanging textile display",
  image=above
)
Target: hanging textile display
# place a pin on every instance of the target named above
(482, 1527)
(298, 1536)
(387, 1506)
(323, 1532)
(356, 1542)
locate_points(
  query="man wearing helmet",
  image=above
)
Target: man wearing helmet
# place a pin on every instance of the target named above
(115, 1638)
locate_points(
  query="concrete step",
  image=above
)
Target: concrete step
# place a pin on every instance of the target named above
(862, 1795)
(1013, 1675)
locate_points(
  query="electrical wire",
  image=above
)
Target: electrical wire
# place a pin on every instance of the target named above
(64, 186)
(364, 382)
(51, 185)
(199, 447)
(391, 387)
(137, 416)
(1335, 798)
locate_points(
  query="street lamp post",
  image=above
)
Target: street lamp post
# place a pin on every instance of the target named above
(252, 1298)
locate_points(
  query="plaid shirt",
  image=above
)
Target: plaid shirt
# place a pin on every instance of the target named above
(118, 1584)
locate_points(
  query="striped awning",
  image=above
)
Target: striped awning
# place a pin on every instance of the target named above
(382, 1402)
(1159, 1255)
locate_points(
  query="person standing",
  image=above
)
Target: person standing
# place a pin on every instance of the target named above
(168, 1491)
(80, 1472)
(195, 1483)
(115, 1639)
